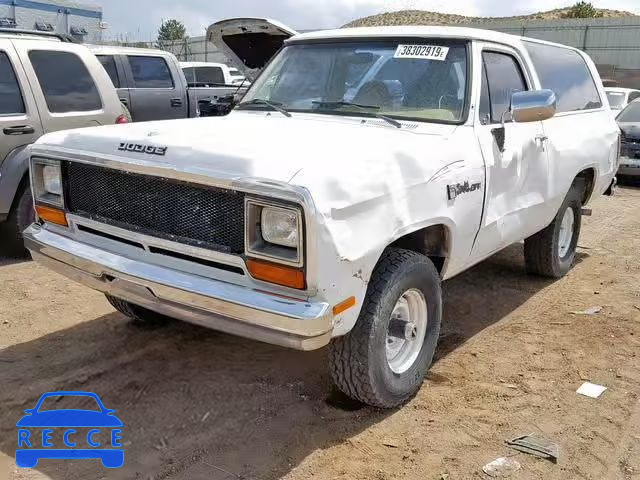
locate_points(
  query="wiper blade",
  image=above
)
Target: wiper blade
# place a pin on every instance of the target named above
(273, 105)
(387, 119)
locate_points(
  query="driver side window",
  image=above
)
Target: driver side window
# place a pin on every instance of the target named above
(501, 78)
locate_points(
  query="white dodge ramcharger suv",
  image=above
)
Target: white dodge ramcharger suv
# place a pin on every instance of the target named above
(362, 168)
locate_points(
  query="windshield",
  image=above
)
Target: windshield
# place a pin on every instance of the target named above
(616, 100)
(631, 114)
(417, 79)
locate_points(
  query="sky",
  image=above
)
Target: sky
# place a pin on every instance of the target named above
(139, 19)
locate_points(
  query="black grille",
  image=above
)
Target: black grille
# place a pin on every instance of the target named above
(196, 215)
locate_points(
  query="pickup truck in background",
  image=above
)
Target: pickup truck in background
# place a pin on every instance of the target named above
(152, 85)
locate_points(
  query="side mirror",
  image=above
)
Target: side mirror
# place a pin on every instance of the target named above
(533, 106)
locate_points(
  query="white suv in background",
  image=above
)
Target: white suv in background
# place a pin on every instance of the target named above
(47, 83)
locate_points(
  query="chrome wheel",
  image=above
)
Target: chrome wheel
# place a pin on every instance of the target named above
(565, 237)
(407, 330)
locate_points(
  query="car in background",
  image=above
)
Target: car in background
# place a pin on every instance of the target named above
(619, 97)
(149, 82)
(629, 123)
(47, 83)
(249, 45)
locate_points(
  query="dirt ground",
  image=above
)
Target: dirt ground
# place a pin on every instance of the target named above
(197, 404)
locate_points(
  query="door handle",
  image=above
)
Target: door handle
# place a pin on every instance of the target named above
(541, 141)
(19, 130)
(124, 101)
(176, 102)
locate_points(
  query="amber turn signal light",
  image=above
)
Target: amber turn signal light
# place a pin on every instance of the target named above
(277, 274)
(344, 306)
(51, 215)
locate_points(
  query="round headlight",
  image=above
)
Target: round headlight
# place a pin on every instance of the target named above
(280, 227)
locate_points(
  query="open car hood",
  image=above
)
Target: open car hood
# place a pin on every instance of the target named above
(249, 42)
(631, 130)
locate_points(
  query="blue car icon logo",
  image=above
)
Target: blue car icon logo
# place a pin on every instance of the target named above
(74, 428)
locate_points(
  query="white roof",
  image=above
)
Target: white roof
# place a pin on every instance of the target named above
(114, 50)
(28, 36)
(420, 31)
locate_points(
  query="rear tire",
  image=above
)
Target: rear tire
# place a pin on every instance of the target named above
(363, 365)
(137, 313)
(21, 216)
(550, 252)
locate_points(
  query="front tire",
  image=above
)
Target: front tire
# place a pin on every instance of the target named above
(21, 216)
(383, 361)
(139, 315)
(552, 251)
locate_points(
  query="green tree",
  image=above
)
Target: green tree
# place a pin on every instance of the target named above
(583, 9)
(171, 30)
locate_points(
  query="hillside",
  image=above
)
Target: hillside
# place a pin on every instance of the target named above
(421, 17)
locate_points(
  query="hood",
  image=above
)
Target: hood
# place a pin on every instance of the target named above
(255, 145)
(249, 42)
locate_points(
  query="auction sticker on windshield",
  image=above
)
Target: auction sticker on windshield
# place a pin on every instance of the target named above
(425, 52)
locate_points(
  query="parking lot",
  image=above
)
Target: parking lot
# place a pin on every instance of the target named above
(198, 404)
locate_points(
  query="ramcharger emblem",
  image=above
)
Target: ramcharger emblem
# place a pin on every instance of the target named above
(148, 149)
(454, 191)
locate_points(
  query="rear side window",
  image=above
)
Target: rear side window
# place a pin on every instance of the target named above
(11, 102)
(634, 96)
(65, 82)
(109, 64)
(566, 73)
(209, 75)
(150, 72)
(503, 77)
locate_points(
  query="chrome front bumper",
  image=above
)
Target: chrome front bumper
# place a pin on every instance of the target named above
(204, 301)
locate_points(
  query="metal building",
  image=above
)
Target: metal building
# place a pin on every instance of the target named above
(79, 18)
(613, 43)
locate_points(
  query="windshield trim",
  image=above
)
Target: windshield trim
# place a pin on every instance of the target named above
(466, 42)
